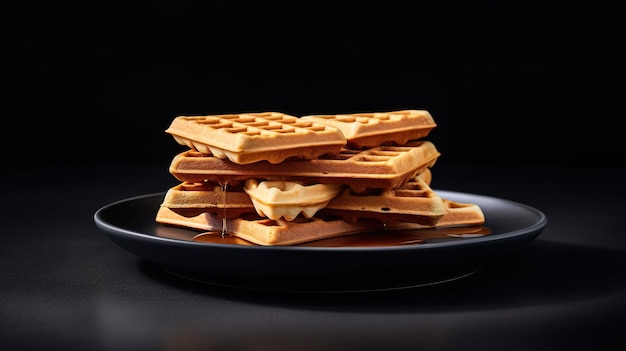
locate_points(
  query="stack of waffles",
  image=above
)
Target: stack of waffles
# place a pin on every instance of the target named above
(274, 179)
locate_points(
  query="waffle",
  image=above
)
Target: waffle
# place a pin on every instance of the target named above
(263, 231)
(192, 199)
(364, 130)
(382, 167)
(273, 179)
(414, 202)
(277, 199)
(457, 214)
(251, 137)
(280, 232)
(426, 175)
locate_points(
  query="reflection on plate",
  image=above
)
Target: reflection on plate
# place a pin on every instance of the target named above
(130, 223)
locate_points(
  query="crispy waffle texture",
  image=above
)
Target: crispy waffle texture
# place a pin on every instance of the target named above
(192, 199)
(273, 179)
(457, 214)
(251, 137)
(381, 167)
(364, 130)
(414, 202)
(267, 232)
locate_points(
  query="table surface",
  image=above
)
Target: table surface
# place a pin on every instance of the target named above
(65, 284)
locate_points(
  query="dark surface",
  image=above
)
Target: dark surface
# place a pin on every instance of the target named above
(65, 284)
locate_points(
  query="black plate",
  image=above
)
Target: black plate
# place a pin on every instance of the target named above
(130, 223)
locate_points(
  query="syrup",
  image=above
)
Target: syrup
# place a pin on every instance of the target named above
(224, 203)
(216, 237)
(365, 239)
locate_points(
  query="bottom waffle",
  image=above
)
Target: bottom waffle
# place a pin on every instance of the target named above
(263, 231)
(268, 232)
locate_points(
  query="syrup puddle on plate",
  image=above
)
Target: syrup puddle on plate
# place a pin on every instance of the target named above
(394, 237)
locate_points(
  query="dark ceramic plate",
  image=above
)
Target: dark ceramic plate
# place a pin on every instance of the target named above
(130, 223)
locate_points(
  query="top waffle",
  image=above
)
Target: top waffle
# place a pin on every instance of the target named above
(363, 130)
(251, 137)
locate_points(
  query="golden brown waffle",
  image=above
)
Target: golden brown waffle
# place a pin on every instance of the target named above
(414, 202)
(363, 130)
(463, 214)
(207, 221)
(382, 167)
(192, 199)
(265, 231)
(250, 137)
(374, 171)
(277, 199)
(280, 232)
(457, 214)
(426, 175)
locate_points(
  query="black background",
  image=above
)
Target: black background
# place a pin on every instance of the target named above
(506, 85)
(527, 100)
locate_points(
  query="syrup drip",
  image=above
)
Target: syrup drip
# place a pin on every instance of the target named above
(224, 203)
